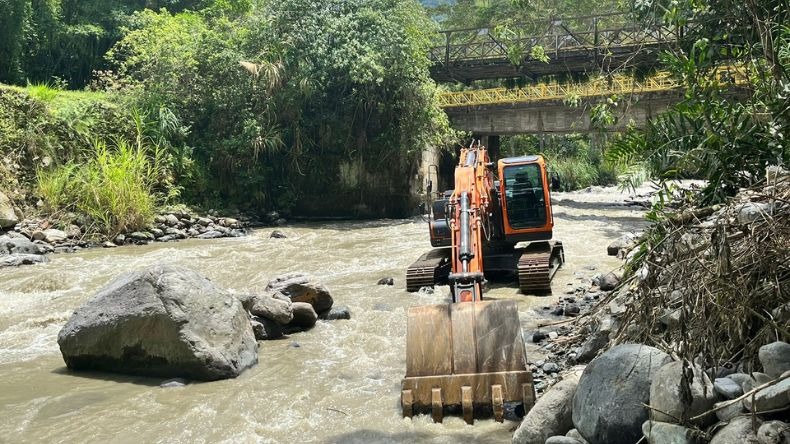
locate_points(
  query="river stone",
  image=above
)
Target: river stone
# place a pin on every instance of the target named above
(164, 321)
(386, 281)
(730, 411)
(15, 260)
(562, 440)
(269, 307)
(727, 388)
(300, 288)
(8, 217)
(666, 399)
(277, 234)
(573, 433)
(305, 316)
(171, 219)
(775, 358)
(609, 282)
(608, 404)
(18, 245)
(774, 397)
(774, 432)
(756, 379)
(266, 329)
(738, 431)
(551, 415)
(212, 234)
(665, 433)
(752, 211)
(336, 313)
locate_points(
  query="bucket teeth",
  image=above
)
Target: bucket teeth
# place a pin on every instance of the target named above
(497, 403)
(407, 402)
(467, 405)
(437, 408)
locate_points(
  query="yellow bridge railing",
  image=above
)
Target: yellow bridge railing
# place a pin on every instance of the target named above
(601, 87)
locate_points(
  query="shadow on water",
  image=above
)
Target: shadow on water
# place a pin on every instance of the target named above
(113, 377)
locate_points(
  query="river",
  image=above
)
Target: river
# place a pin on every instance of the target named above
(339, 382)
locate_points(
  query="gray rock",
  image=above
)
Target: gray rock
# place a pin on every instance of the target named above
(592, 345)
(539, 336)
(756, 379)
(573, 433)
(670, 317)
(337, 312)
(551, 367)
(665, 433)
(18, 245)
(774, 397)
(305, 316)
(266, 329)
(171, 220)
(624, 242)
(50, 235)
(774, 432)
(156, 232)
(204, 221)
(108, 244)
(562, 440)
(163, 320)
(73, 232)
(277, 234)
(300, 288)
(608, 404)
(269, 307)
(609, 282)
(738, 431)
(775, 358)
(120, 239)
(170, 231)
(551, 414)
(751, 212)
(173, 383)
(386, 281)
(8, 217)
(142, 236)
(15, 260)
(666, 394)
(729, 412)
(194, 233)
(213, 234)
(167, 238)
(727, 388)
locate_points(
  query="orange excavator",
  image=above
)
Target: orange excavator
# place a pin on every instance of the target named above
(468, 357)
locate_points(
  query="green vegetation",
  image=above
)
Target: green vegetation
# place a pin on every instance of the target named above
(253, 106)
(576, 158)
(722, 133)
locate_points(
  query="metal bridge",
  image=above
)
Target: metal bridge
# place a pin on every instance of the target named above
(573, 45)
(564, 108)
(615, 85)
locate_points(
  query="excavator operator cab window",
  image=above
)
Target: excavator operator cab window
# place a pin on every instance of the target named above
(526, 206)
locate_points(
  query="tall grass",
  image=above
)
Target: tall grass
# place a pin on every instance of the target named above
(114, 188)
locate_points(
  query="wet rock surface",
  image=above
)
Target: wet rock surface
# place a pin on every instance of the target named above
(161, 321)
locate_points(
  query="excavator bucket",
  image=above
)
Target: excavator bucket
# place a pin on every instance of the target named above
(466, 358)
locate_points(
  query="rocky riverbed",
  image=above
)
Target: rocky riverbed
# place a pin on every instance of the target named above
(337, 382)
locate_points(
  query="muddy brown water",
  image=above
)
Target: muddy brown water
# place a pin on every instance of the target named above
(342, 382)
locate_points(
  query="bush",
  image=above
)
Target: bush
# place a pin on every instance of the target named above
(114, 189)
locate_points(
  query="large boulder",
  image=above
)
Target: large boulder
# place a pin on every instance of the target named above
(15, 260)
(739, 430)
(164, 321)
(775, 358)
(8, 217)
(300, 288)
(608, 407)
(551, 415)
(666, 393)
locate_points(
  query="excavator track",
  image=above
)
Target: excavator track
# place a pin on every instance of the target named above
(430, 269)
(538, 264)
